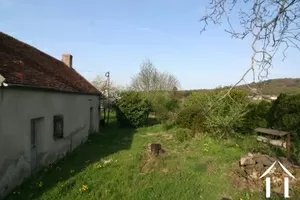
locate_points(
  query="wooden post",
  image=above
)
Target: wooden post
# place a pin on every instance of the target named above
(288, 145)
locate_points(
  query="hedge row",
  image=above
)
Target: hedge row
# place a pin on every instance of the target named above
(132, 110)
(239, 115)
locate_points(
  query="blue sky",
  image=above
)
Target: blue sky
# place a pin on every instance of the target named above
(117, 35)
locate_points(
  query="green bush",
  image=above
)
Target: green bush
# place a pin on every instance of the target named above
(285, 113)
(256, 116)
(164, 105)
(188, 116)
(225, 117)
(239, 96)
(198, 123)
(168, 125)
(295, 149)
(214, 112)
(132, 109)
(201, 99)
(182, 134)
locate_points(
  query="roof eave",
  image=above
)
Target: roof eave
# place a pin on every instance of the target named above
(14, 85)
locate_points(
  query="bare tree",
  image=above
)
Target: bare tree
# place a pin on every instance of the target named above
(273, 26)
(150, 79)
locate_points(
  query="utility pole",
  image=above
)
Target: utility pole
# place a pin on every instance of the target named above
(107, 74)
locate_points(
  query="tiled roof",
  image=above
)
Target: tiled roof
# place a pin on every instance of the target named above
(22, 64)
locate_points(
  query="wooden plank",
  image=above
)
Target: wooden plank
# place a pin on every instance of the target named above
(279, 143)
(271, 132)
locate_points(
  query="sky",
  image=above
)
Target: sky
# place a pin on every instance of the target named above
(117, 35)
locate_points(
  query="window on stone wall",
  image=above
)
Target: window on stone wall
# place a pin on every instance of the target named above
(58, 130)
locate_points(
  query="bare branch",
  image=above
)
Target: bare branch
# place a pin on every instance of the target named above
(274, 25)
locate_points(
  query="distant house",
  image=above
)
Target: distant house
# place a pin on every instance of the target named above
(261, 97)
(46, 110)
(257, 98)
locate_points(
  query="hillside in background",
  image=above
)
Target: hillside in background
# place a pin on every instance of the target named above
(269, 87)
(275, 86)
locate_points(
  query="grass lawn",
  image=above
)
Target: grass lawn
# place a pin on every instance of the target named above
(115, 165)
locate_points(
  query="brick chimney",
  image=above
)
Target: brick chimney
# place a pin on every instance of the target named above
(67, 59)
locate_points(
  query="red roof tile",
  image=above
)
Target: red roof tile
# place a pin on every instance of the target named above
(23, 64)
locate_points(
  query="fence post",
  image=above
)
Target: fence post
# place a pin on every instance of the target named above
(288, 145)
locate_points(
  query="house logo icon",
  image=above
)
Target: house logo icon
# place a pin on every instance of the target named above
(268, 180)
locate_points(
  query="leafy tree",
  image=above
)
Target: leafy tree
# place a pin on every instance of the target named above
(256, 116)
(285, 113)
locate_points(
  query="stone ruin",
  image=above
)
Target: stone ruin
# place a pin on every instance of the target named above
(252, 166)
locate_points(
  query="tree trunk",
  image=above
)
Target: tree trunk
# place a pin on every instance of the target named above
(156, 149)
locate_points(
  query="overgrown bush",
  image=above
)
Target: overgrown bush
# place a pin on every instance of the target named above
(132, 109)
(256, 116)
(168, 125)
(182, 134)
(285, 113)
(225, 118)
(200, 99)
(295, 149)
(214, 112)
(187, 117)
(164, 105)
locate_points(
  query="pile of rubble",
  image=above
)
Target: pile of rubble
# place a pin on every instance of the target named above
(252, 166)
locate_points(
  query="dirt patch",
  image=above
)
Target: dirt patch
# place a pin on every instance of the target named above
(211, 168)
(164, 135)
(249, 172)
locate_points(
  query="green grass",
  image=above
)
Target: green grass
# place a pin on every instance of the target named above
(194, 169)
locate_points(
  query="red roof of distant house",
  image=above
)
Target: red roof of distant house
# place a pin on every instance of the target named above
(22, 64)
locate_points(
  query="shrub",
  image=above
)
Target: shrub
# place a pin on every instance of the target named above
(198, 123)
(200, 99)
(225, 117)
(285, 113)
(239, 96)
(165, 106)
(187, 116)
(132, 109)
(168, 125)
(182, 134)
(213, 112)
(256, 116)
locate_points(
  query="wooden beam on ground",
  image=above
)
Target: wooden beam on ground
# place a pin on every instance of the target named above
(280, 143)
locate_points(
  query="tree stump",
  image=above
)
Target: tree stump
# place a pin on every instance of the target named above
(156, 149)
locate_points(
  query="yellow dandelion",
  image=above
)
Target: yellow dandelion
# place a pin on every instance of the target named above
(84, 188)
